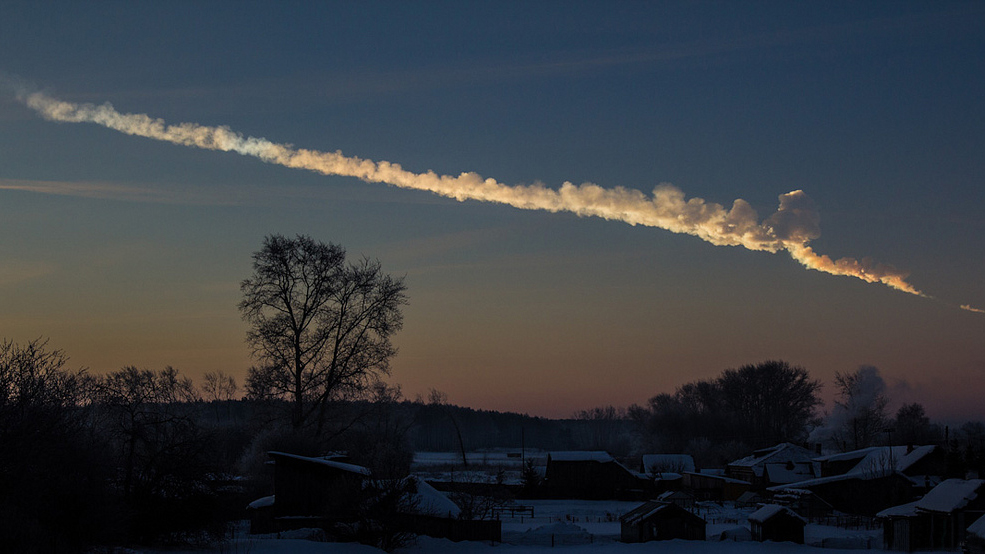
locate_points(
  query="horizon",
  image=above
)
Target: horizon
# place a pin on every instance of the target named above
(855, 131)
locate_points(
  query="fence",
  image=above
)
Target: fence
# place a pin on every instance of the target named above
(848, 521)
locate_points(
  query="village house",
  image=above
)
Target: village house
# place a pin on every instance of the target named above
(871, 479)
(785, 462)
(308, 492)
(653, 521)
(923, 464)
(936, 521)
(777, 523)
(708, 486)
(592, 475)
(856, 493)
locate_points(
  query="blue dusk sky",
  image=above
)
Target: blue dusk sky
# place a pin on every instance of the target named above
(126, 250)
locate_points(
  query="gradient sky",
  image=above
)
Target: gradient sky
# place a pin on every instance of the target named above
(128, 251)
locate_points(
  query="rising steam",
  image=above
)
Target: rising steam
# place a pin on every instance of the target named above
(791, 228)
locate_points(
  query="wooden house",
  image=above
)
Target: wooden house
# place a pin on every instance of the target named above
(937, 521)
(306, 486)
(592, 475)
(706, 486)
(863, 493)
(308, 492)
(788, 461)
(653, 521)
(777, 523)
(916, 462)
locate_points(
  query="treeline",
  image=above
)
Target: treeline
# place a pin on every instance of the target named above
(719, 420)
(141, 456)
(147, 457)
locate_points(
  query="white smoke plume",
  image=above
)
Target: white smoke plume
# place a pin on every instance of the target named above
(791, 228)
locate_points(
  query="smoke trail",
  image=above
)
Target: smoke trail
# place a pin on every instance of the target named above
(972, 309)
(791, 228)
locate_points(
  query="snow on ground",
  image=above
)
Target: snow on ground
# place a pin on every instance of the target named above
(427, 545)
(575, 527)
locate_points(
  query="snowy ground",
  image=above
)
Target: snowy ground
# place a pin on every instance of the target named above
(576, 527)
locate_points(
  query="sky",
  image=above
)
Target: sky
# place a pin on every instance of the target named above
(660, 183)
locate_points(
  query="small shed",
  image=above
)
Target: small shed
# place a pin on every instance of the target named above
(777, 523)
(654, 521)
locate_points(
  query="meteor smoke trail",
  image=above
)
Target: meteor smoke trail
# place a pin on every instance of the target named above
(791, 228)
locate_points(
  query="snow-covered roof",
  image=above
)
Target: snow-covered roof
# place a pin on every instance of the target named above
(874, 463)
(770, 510)
(881, 457)
(782, 452)
(668, 462)
(667, 496)
(978, 528)
(903, 510)
(261, 503)
(352, 468)
(789, 472)
(718, 478)
(643, 511)
(861, 476)
(581, 456)
(431, 501)
(950, 495)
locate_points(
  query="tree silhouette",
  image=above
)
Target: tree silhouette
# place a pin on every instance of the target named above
(319, 327)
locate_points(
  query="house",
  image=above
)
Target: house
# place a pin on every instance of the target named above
(708, 486)
(305, 486)
(863, 493)
(592, 475)
(308, 492)
(666, 463)
(937, 521)
(785, 473)
(788, 462)
(868, 480)
(919, 463)
(424, 510)
(653, 521)
(777, 523)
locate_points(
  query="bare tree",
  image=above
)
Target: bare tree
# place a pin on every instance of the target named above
(218, 388)
(149, 421)
(54, 496)
(320, 328)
